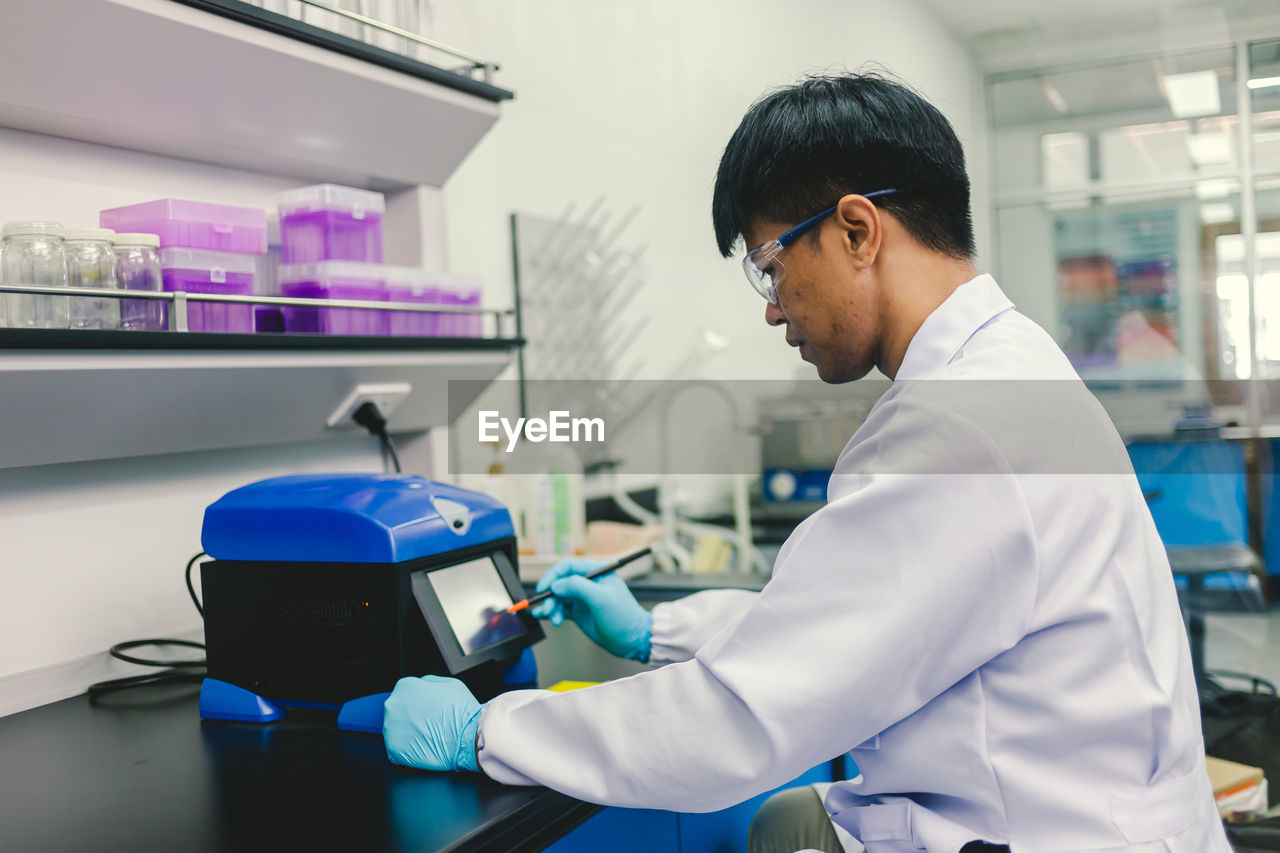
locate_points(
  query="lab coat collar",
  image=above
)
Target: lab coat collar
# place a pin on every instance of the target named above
(945, 332)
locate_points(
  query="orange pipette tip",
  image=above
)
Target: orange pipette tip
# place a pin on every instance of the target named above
(518, 606)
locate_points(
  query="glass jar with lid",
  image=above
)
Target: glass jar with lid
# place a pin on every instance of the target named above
(91, 263)
(33, 253)
(138, 268)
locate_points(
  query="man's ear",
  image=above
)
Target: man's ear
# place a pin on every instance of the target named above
(863, 229)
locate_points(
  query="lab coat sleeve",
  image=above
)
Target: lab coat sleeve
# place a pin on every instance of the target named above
(682, 627)
(897, 589)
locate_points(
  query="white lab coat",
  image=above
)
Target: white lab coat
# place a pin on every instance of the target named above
(982, 614)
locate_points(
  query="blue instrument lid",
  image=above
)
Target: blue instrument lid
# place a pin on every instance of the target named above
(349, 518)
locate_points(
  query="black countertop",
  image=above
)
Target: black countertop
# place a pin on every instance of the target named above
(667, 586)
(140, 771)
(653, 587)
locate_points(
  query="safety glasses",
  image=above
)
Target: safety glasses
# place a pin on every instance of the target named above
(765, 271)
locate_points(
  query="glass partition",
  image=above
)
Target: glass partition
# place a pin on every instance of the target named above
(1133, 223)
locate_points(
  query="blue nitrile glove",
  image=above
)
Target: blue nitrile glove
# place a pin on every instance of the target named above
(430, 723)
(604, 608)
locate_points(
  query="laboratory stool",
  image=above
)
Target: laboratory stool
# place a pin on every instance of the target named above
(1195, 563)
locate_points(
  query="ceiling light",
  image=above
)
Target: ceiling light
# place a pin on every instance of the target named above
(1263, 82)
(1193, 94)
(1055, 97)
(1216, 188)
(1209, 149)
(1217, 212)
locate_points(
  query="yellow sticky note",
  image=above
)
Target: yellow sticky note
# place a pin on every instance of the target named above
(562, 686)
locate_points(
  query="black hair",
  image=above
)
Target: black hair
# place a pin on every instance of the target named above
(801, 148)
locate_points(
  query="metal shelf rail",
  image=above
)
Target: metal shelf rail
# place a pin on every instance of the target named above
(178, 301)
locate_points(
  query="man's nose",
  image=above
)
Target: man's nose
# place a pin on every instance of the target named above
(773, 315)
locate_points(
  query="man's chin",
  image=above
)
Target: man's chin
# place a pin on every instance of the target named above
(839, 375)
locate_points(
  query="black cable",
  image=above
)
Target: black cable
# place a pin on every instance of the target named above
(368, 416)
(117, 652)
(96, 690)
(391, 450)
(191, 589)
(171, 670)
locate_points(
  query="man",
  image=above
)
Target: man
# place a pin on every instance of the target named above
(982, 614)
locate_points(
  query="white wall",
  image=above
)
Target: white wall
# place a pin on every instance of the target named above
(635, 102)
(92, 553)
(44, 177)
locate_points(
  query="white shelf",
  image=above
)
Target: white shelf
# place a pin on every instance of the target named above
(80, 404)
(161, 77)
